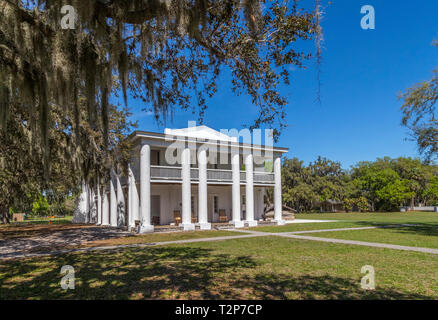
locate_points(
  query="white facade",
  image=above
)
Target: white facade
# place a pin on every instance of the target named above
(192, 177)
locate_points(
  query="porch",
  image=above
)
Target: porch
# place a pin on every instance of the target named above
(166, 205)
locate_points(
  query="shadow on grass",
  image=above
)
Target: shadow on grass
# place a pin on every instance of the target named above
(130, 273)
(273, 286)
(171, 273)
(425, 229)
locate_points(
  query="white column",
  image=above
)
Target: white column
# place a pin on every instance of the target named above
(186, 191)
(113, 202)
(130, 215)
(133, 198)
(121, 204)
(202, 190)
(235, 166)
(262, 202)
(93, 207)
(99, 205)
(278, 206)
(130, 208)
(105, 209)
(249, 190)
(81, 210)
(145, 189)
(87, 204)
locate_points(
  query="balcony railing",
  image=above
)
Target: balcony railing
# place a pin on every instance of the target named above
(213, 175)
(165, 172)
(264, 177)
(219, 175)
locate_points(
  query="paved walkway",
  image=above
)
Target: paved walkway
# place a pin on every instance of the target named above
(247, 234)
(363, 243)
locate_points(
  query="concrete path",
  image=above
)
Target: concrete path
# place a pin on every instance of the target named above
(363, 243)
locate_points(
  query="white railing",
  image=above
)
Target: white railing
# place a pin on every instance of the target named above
(166, 172)
(221, 175)
(213, 175)
(264, 177)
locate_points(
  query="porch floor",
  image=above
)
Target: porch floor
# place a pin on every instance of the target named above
(214, 226)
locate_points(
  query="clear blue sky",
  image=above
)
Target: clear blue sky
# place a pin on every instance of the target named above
(362, 73)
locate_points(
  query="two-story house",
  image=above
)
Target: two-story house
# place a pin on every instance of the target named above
(189, 177)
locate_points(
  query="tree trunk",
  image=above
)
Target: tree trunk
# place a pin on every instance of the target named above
(412, 203)
(4, 215)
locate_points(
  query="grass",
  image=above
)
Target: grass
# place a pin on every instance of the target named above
(252, 268)
(414, 236)
(249, 268)
(351, 220)
(40, 221)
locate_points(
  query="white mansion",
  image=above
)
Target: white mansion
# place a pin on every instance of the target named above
(188, 177)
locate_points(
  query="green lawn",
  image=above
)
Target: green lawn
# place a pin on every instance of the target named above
(251, 268)
(415, 236)
(352, 220)
(38, 220)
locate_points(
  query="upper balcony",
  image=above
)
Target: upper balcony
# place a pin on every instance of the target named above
(214, 176)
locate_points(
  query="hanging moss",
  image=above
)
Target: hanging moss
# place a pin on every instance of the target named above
(168, 53)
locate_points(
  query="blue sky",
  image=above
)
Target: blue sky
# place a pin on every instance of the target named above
(362, 73)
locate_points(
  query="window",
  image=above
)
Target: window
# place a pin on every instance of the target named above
(192, 200)
(155, 157)
(215, 204)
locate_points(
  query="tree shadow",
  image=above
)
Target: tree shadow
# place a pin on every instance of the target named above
(172, 273)
(426, 229)
(48, 238)
(274, 286)
(121, 274)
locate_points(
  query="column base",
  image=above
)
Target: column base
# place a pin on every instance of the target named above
(238, 224)
(146, 229)
(105, 225)
(205, 226)
(251, 223)
(279, 222)
(188, 226)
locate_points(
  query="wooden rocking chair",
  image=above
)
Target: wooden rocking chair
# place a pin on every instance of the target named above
(177, 217)
(222, 216)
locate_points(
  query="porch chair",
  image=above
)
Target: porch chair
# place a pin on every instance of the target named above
(222, 216)
(155, 220)
(194, 219)
(177, 217)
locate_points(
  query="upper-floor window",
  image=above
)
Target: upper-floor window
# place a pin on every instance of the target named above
(155, 157)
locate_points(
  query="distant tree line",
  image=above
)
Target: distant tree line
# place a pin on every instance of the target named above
(382, 185)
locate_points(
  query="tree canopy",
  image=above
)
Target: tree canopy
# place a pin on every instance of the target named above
(384, 184)
(168, 53)
(419, 114)
(56, 83)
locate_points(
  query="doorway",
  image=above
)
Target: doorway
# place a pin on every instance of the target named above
(155, 210)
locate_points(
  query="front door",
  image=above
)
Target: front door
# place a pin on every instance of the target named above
(155, 210)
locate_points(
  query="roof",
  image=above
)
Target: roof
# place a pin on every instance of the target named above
(199, 134)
